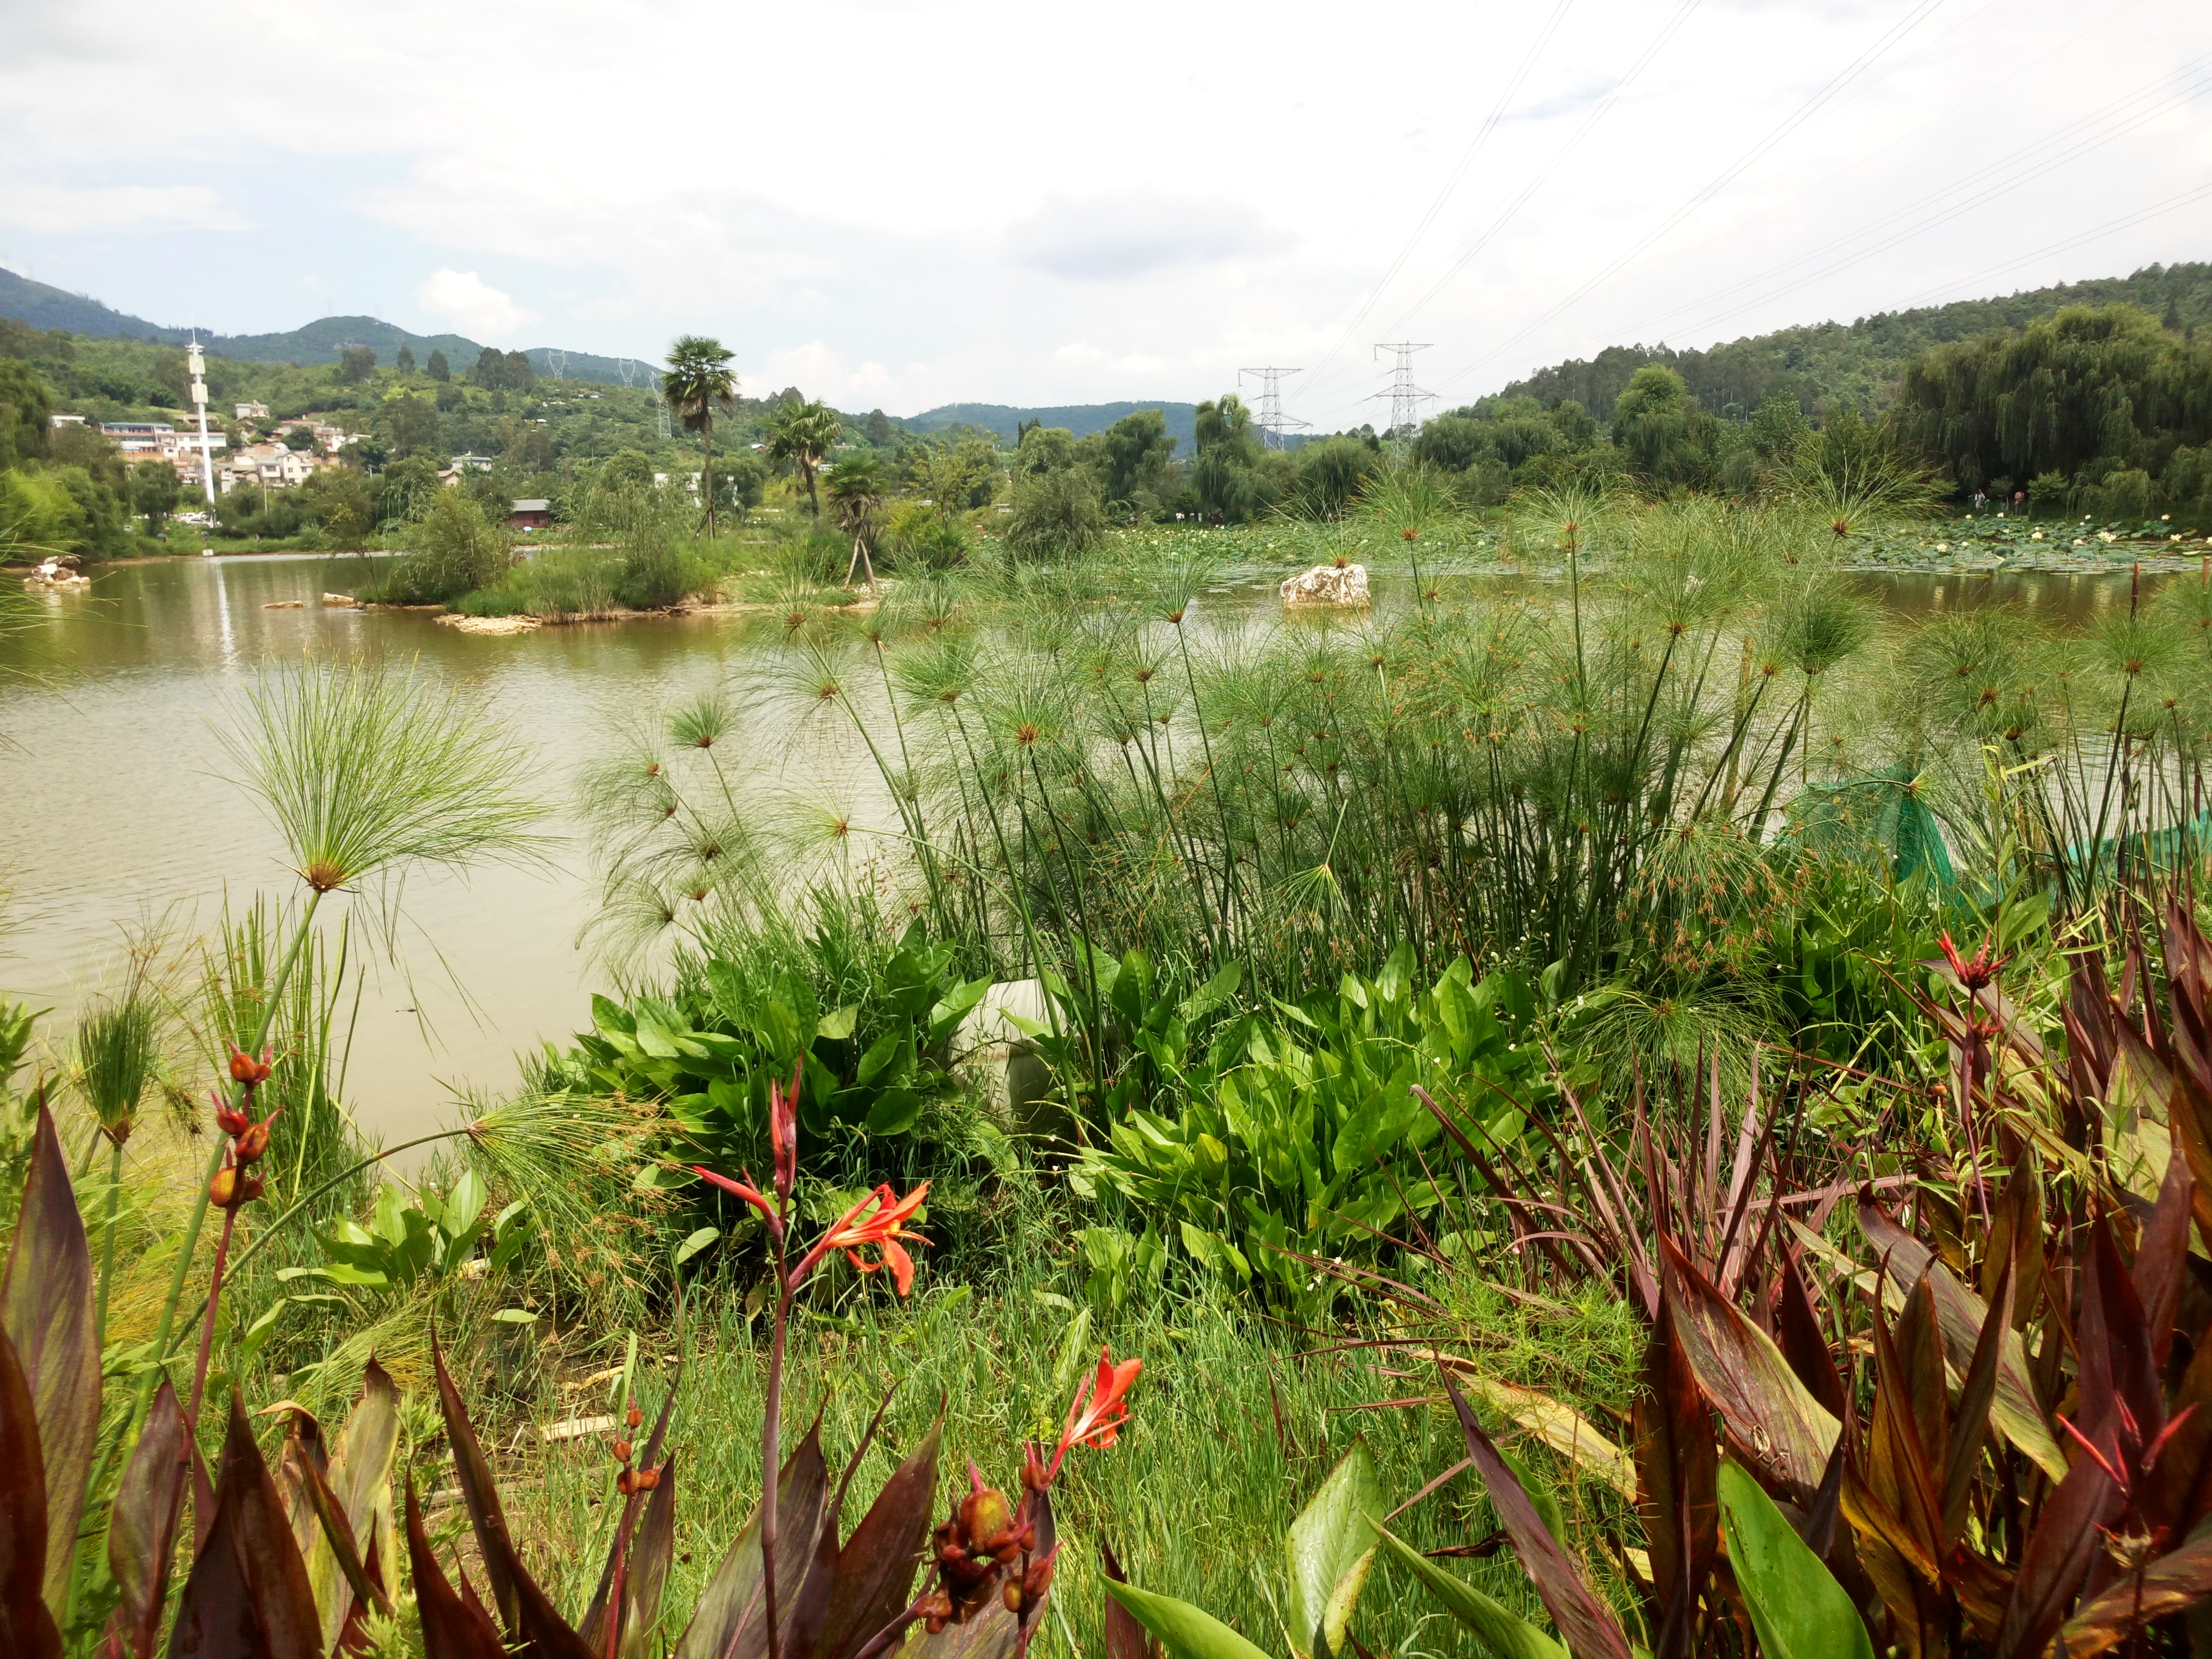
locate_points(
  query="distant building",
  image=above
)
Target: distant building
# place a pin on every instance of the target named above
(531, 515)
(326, 436)
(252, 411)
(473, 464)
(60, 420)
(140, 437)
(271, 466)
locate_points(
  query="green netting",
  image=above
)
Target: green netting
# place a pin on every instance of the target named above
(1877, 819)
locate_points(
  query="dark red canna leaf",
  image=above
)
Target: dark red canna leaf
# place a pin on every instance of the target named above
(876, 1569)
(2170, 1584)
(1588, 1626)
(1962, 1457)
(2118, 1365)
(248, 1596)
(1898, 1469)
(45, 1307)
(535, 1628)
(1125, 1637)
(730, 1620)
(652, 1552)
(2162, 1255)
(1774, 1424)
(142, 1527)
(452, 1628)
(1676, 1467)
(26, 1626)
(1804, 1345)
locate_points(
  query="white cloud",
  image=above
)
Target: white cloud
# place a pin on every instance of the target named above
(1124, 234)
(471, 304)
(58, 211)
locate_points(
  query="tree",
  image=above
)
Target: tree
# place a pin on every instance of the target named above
(155, 494)
(803, 435)
(1656, 424)
(879, 428)
(414, 425)
(699, 382)
(300, 438)
(405, 363)
(951, 473)
(355, 364)
(741, 484)
(440, 370)
(1056, 514)
(1138, 448)
(1044, 449)
(405, 489)
(26, 405)
(1226, 473)
(1331, 473)
(856, 500)
(626, 469)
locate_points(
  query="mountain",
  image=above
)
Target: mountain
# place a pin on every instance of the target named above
(1856, 362)
(1081, 419)
(43, 305)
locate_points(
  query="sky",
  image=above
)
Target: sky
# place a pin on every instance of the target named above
(902, 206)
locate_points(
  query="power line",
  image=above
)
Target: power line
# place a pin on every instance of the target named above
(1273, 421)
(1597, 113)
(1805, 111)
(1466, 160)
(1406, 399)
(1983, 182)
(2124, 223)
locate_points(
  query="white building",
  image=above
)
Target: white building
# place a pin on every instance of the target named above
(252, 411)
(271, 466)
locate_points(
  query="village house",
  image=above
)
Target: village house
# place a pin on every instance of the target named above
(272, 466)
(532, 515)
(252, 411)
(327, 437)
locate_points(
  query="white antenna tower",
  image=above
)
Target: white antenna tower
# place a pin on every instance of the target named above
(1273, 421)
(1406, 399)
(196, 367)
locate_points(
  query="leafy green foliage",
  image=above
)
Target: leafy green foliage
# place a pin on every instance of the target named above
(1294, 1136)
(427, 1236)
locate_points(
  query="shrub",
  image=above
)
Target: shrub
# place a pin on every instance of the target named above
(1057, 515)
(457, 550)
(919, 536)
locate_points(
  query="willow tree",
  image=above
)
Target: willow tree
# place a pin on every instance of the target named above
(699, 382)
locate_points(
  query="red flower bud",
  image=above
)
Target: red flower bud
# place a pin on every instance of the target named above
(621, 1451)
(635, 1418)
(227, 1119)
(244, 1068)
(254, 1143)
(223, 1191)
(647, 1479)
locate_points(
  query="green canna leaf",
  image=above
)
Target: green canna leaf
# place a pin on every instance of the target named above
(1797, 1606)
(1329, 1551)
(1505, 1634)
(1180, 1628)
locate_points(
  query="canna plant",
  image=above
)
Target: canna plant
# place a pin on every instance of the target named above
(303, 1560)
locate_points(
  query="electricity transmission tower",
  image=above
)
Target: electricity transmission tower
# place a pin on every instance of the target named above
(556, 363)
(1406, 399)
(1273, 421)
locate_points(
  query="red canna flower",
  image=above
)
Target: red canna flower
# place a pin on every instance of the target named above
(1975, 971)
(879, 1219)
(783, 1130)
(1096, 1416)
(745, 1191)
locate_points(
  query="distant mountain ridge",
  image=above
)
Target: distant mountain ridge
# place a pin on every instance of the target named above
(43, 305)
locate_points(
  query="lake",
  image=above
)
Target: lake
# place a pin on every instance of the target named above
(121, 820)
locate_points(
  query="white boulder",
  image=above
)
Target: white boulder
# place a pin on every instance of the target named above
(1328, 584)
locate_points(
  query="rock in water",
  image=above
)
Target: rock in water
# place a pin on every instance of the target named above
(1328, 584)
(340, 602)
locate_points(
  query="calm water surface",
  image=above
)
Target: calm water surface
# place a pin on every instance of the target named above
(119, 815)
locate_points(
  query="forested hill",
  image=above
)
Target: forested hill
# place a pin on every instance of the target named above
(1859, 363)
(1080, 419)
(44, 306)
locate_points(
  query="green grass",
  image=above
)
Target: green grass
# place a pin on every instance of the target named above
(1230, 1431)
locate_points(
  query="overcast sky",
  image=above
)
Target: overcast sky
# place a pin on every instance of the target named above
(907, 205)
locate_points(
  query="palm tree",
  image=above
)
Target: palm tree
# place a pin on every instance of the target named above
(698, 382)
(804, 435)
(856, 495)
